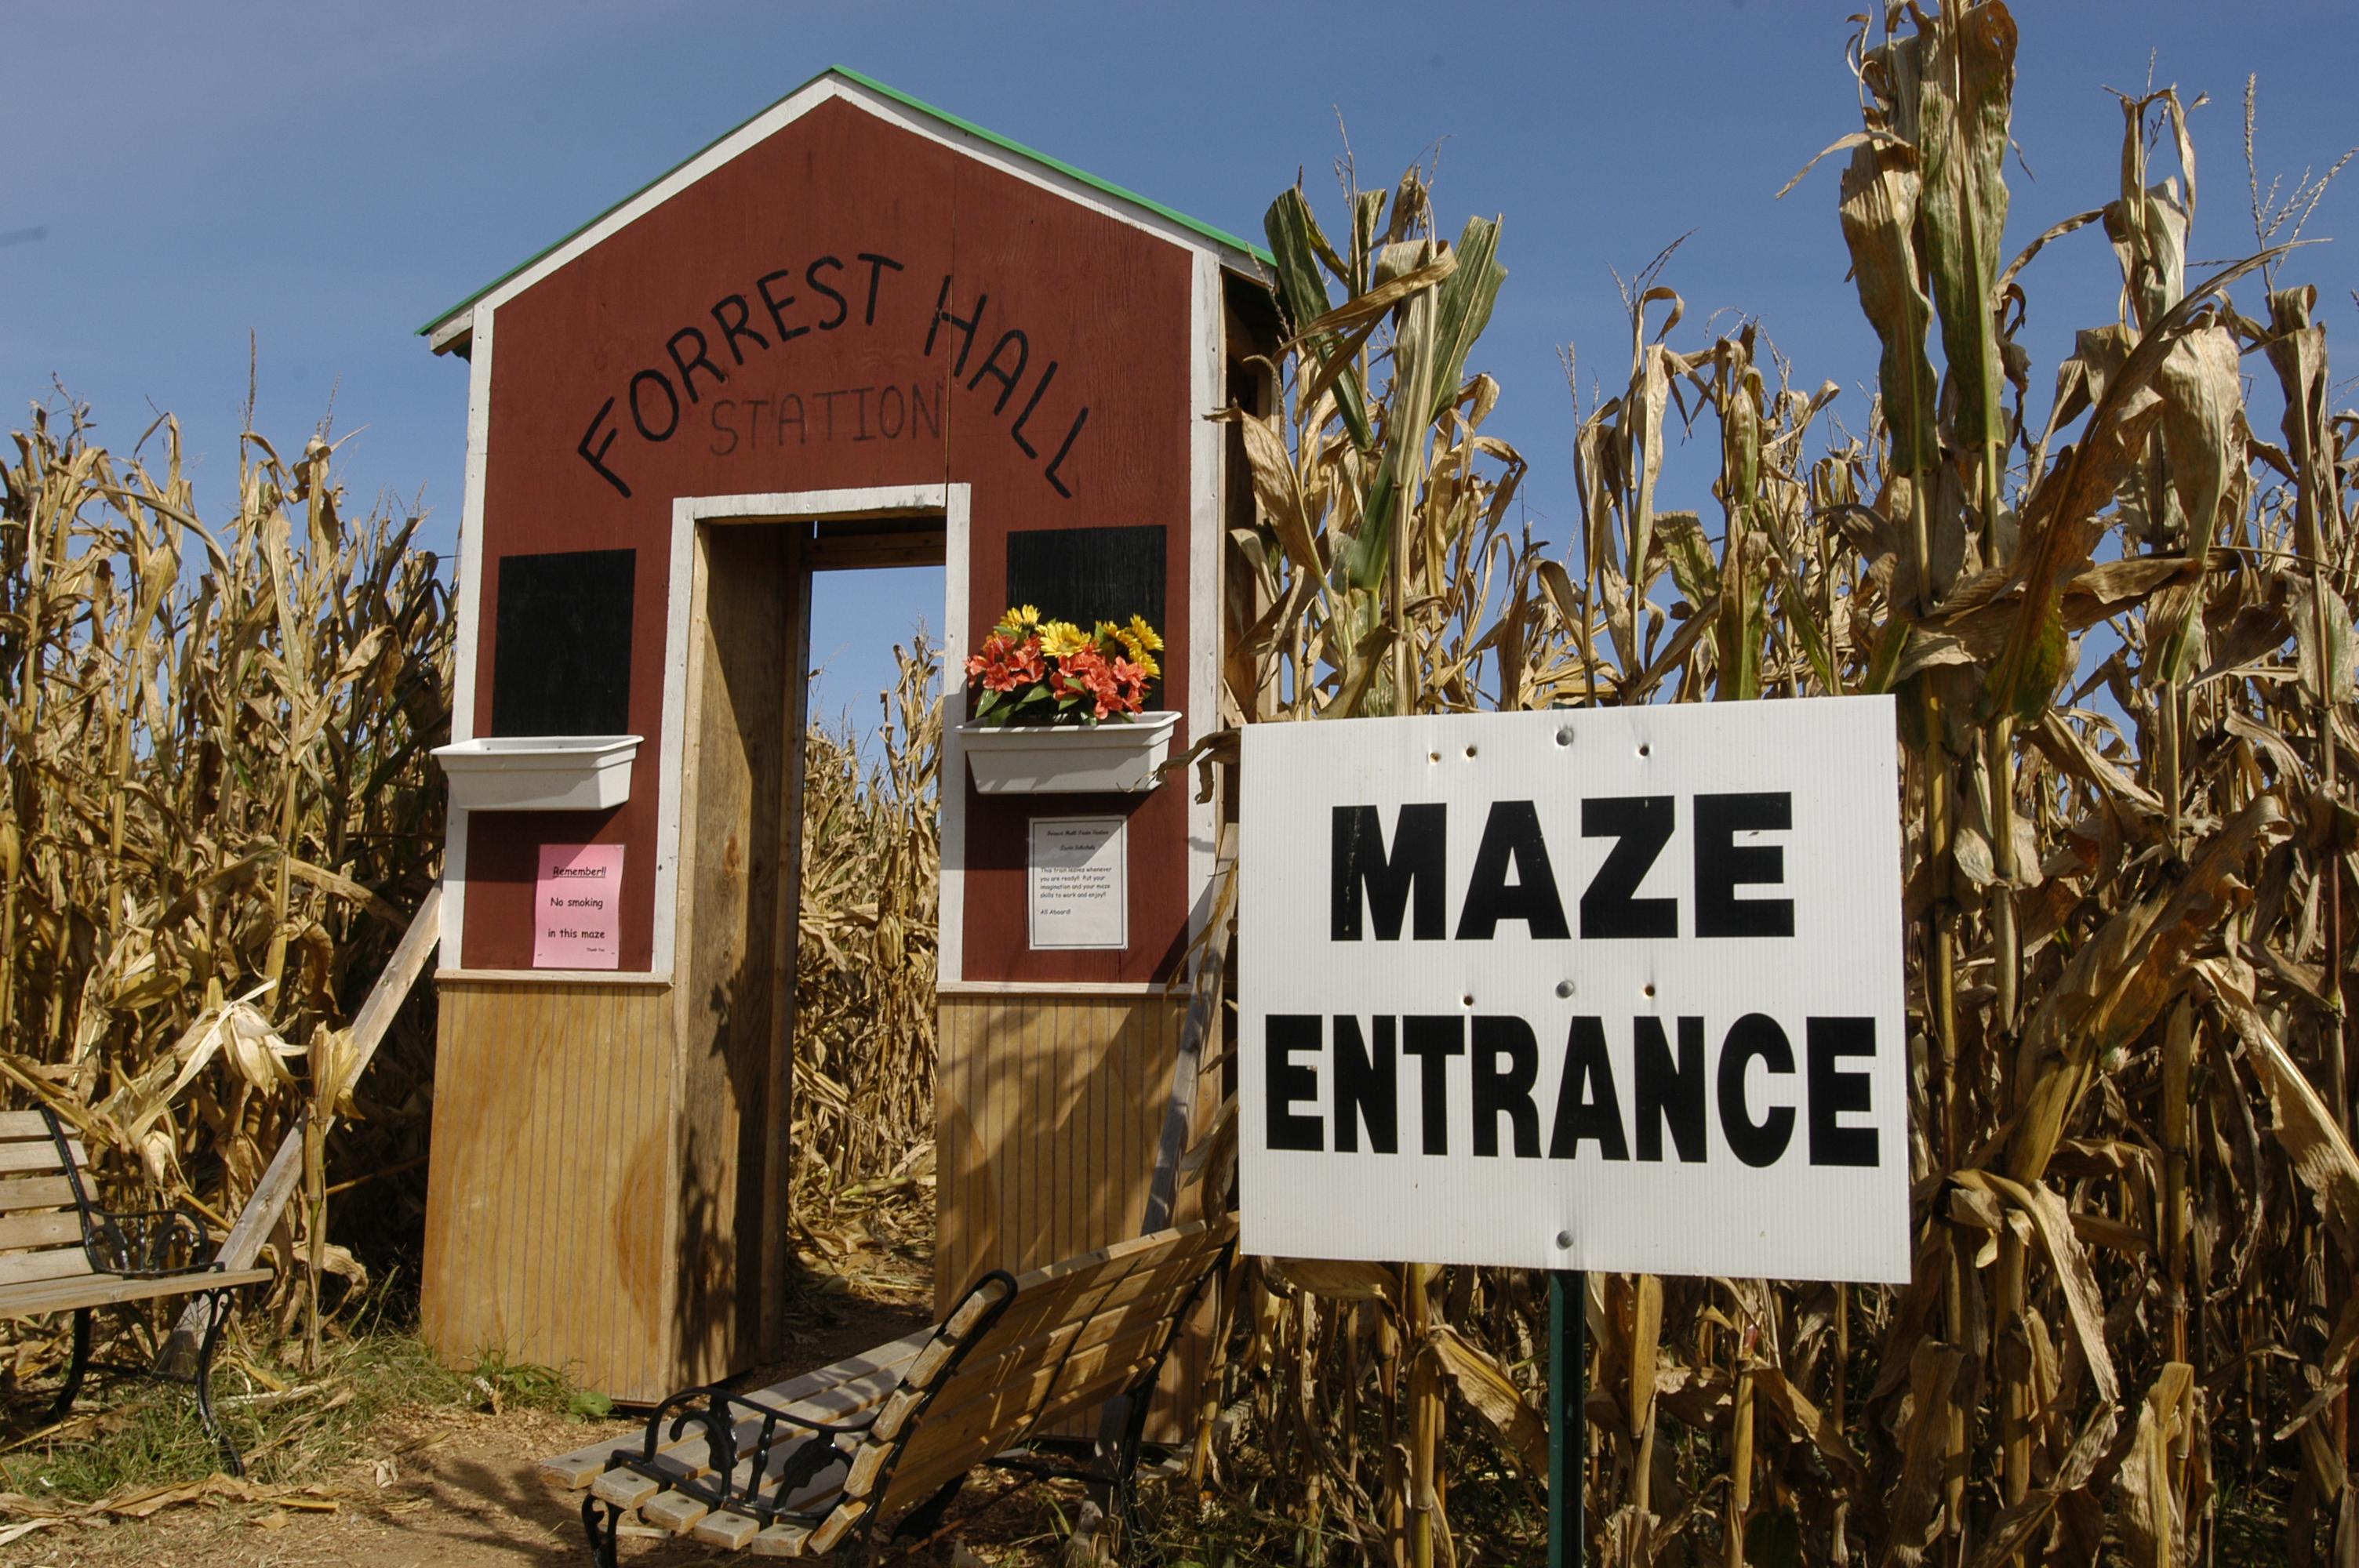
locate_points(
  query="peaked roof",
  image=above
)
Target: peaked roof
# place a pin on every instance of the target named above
(439, 327)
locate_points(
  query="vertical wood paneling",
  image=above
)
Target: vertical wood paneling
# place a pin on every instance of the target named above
(1047, 1111)
(552, 1127)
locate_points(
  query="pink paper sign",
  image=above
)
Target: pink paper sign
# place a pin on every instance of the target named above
(575, 906)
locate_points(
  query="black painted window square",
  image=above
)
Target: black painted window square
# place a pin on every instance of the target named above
(1089, 574)
(562, 660)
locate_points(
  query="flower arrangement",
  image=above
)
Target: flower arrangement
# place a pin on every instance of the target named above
(1031, 671)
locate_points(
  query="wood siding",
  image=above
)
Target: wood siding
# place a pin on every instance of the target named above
(1047, 1109)
(547, 1234)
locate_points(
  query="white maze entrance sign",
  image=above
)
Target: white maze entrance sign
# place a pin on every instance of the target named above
(1607, 988)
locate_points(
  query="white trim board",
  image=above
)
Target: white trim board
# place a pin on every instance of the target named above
(950, 501)
(469, 592)
(1206, 536)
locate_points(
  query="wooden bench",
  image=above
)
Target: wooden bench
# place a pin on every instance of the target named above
(61, 1252)
(877, 1446)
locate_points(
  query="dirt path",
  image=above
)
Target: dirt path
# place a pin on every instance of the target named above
(457, 1487)
(454, 1488)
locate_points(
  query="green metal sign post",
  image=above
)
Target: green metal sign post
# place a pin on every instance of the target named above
(1567, 1415)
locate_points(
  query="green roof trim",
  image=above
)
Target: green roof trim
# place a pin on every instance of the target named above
(1121, 194)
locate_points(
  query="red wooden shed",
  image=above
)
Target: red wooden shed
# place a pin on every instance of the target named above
(855, 330)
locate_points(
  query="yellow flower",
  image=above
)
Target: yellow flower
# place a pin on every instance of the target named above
(1019, 623)
(1139, 629)
(1062, 639)
(1136, 648)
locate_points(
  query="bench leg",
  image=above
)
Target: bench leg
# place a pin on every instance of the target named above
(231, 1459)
(74, 1369)
(604, 1532)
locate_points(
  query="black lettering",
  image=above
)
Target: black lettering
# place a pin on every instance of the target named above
(966, 327)
(1016, 429)
(733, 330)
(779, 306)
(1007, 378)
(829, 399)
(1433, 1040)
(1828, 1041)
(1669, 1095)
(1722, 865)
(1418, 861)
(876, 266)
(1610, 907)
(1761, 1143)
(639, 416)
(754, 407)
(843, 307)
(901, 412)
(918, 410)
(689, 366)
(861, 393)
(721, 428)
(1049, 473)
(1367, 1088)
(1505, 1064)
(1586, 1104)
(1511, 834)
(795, 418)
(1286, 1084)
(596, 456)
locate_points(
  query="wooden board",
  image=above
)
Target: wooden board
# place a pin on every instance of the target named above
(46, 1296)
(733, 1063)
(1047, 1112)
(551, 1226)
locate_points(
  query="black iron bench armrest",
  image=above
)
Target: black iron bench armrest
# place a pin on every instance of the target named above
(148, 1243)
(138, 1244)
(713, 1408)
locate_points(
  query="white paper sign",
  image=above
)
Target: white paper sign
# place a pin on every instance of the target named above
(1607, 988)
(1080, 896)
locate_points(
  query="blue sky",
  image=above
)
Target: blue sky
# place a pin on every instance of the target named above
(328, 175)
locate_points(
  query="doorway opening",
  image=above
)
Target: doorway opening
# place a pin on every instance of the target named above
(808, 889)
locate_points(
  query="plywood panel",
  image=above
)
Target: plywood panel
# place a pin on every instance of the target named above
(1047, 1112)
(548, 1228)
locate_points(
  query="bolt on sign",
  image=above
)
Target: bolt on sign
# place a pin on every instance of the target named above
(1605, 988)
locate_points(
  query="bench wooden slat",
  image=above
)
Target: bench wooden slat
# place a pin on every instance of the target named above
(39, 1155)
(675, 1511)
(38, 1192)
(112, 1290)
(56, 1228)
(32, 1268)
(727, 1530)
(23, 1124)
(781, 1540)
(918, 1476)
(1036, 1397)
(1028, 1315)
(982, 1375)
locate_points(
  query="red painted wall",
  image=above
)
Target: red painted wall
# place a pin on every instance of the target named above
(792, 305)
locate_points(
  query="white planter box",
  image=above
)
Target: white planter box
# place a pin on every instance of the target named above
(540, 772)
(1080, 759)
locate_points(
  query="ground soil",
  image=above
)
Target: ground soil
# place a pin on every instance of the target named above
(451, 1486)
